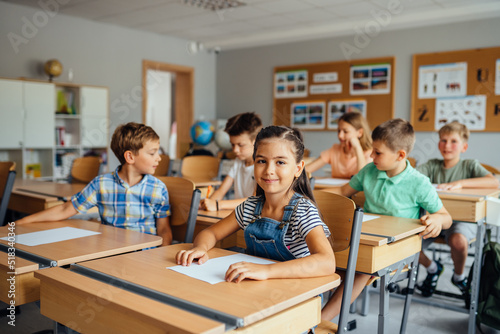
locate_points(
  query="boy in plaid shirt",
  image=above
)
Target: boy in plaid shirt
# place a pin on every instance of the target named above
(130, 197)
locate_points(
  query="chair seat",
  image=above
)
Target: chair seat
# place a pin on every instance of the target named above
(326, 327)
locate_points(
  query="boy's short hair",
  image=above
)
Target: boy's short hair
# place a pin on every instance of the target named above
(247, 122)
(397, 134)
(455, 127)
(131, 137)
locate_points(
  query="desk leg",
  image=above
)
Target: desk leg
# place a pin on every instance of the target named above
(383, 304)
(412, 278)
(476, 275)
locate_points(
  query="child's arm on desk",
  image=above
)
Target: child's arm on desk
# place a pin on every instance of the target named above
(58, 212)
(488, 181)
(435, 222)
(206, 240)
(163, 230)
(321, 262)
(209, 203)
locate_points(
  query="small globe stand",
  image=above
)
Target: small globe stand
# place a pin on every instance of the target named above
(53, 68)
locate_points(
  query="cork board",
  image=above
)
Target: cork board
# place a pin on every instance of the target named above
(456, 85)
(302, 92)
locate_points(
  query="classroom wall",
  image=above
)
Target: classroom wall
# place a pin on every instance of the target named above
(245, 76)
(99, 54)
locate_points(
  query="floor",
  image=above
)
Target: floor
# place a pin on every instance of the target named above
(423, 318)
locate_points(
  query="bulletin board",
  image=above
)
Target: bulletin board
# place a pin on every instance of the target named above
(459, 86)
(312, 97)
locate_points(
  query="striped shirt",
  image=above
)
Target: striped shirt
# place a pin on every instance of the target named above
(303, 220)
(135, 208)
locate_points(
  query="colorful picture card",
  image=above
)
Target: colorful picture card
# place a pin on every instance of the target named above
(308, 115)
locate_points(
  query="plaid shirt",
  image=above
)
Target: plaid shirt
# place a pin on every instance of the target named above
(135, 208)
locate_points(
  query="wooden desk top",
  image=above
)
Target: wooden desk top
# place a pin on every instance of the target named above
(469, 194)
(250, 300)
(214, 214)
(21, 265)
(51, 189)
(325, 182)
(111, 241)
(206, 183)
(386, 229)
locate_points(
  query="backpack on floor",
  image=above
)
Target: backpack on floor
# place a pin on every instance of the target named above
(488, 306)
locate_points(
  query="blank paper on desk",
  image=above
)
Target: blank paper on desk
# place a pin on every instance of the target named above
(214, 270)
(50, 236)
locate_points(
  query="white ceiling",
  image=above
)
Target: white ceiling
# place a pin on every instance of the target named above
(265, 22)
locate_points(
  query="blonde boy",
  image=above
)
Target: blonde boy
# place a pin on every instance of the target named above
(449, 173)
(392, 187)
(242, 130)
(130, 197)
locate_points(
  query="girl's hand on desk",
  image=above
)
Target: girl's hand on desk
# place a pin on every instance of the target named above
(208, 204)
(433, 227)
(237, 272)
(186, 257)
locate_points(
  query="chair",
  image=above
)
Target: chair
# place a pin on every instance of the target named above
(344, 221)
(412, 161)
(84, 169)
(200, 168)
(184, 200)
(7, 176)
(163, 168)
(491, 169)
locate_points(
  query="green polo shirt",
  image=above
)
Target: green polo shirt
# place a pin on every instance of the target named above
(401, 196)
(464, 169)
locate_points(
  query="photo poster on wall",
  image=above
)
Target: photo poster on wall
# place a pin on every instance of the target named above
(468, 110)
(338, 108)
(442, 80)
(370, 79)
(308, 115)
(290, 84)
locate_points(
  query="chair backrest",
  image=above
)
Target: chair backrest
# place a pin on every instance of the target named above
(200, 167)
(7, 176)
(412, 161)
(84, 169)
(184, 201)
(163, 168)
(491, 169)
(344, 221)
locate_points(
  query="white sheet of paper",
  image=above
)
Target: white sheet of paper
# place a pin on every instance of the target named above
(214, 270)
(53, 235)
(331, 182)
(369, 217)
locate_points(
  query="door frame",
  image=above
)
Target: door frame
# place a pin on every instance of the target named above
(183, 99)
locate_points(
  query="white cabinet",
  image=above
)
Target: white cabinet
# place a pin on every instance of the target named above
(39, 106)
(94, 116)
(46, 125)
(12, 114)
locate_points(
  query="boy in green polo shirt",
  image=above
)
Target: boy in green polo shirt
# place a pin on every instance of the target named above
(392, 187)
(450, 173)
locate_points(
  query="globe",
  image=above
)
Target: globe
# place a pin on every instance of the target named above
(202, 132)
(222, 140)
(53, 68)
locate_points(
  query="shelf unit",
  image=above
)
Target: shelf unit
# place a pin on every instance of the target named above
(44, 134)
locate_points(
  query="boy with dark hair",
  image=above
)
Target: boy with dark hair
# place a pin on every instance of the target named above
(393, 188)
(130, 197)
(242, 130)
(449, 173)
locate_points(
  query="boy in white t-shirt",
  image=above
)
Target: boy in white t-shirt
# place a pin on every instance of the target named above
(242, 130)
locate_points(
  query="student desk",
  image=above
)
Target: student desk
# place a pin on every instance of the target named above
(334, 185)
(387, 244)
(30, 196)
(161, 298)
(111, 241)
(468, 205)
(208, 218)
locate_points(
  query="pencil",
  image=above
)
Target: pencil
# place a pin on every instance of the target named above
(209, 190)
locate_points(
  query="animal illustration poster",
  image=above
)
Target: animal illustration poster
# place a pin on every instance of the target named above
(468, 110)
(442, 80)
